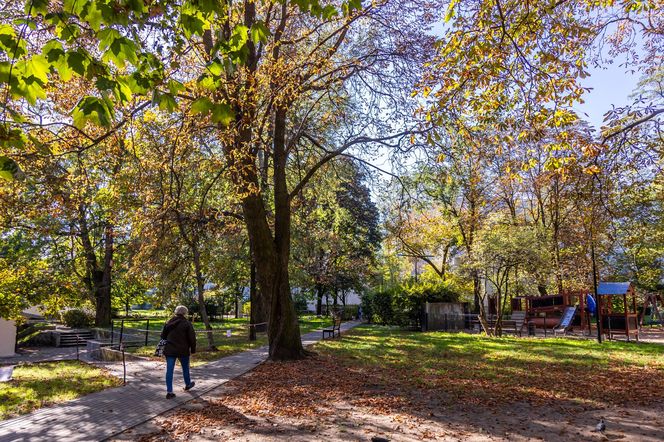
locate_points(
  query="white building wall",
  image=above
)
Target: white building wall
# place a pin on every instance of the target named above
(7, 337)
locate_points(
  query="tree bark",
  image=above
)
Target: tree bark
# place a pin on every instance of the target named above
(270, 253)
(319, 300)
(103, 290)
(97, 280)
(284, 329)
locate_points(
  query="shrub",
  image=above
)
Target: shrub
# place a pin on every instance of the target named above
(402, 305)
(300, 303)
(382, 309)
(349, 312)
(367, 307)
(77, 317)
(211, 308)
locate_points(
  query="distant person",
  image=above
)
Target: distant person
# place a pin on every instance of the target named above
(180, 344)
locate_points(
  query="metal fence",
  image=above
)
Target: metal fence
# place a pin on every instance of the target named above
(448, 322)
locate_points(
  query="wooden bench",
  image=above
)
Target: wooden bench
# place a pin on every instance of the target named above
(336, 328)
(515, 323)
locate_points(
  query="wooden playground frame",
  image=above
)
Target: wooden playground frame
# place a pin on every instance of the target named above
(615, 317)
(612, 322)
(546, 311)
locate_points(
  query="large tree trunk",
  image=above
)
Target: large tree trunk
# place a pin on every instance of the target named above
(259, 313)
(270, 252)
(97, 280)
(271, 255)
(103, 290)
(273, 282)
(284, 329)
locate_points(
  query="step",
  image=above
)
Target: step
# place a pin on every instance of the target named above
(75, 338)
(73, 344)
(67, 338)
(73, 341)
(80, 343)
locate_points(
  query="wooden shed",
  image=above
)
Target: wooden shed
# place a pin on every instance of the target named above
(616, 304)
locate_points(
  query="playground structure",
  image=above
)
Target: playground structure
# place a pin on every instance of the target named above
(616, 305)
(546, 311)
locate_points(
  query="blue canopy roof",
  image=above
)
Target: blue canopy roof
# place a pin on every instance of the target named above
(613, 288)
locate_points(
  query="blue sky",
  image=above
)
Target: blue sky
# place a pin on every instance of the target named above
(611, 85)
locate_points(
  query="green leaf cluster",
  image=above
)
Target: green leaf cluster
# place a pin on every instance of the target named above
(218, 112)
(95, 110)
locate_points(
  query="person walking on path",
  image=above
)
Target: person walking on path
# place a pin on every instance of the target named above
(180, 344)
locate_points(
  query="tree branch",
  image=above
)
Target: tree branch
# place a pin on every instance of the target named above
(632, 125)
(331, 154)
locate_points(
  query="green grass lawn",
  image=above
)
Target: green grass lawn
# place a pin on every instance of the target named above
(239, 340)
(38, 385)
(480, 369)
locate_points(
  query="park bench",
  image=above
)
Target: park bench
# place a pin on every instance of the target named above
(490, 321)
(336, 328)
(515, 323)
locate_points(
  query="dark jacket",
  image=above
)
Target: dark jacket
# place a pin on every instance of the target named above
(180, 337)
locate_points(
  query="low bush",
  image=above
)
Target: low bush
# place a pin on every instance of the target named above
(402, 305)
(300, 302)
(350, 312)
(211, 308)
(77, 317)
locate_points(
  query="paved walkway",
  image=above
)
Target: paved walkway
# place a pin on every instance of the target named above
(41, 354)
(101, 415)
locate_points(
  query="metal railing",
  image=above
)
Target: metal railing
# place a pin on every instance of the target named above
(448, 322)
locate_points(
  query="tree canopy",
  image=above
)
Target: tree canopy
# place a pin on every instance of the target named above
(160, 146)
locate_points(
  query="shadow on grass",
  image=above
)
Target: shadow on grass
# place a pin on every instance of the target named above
(37, 385)
(455, 383)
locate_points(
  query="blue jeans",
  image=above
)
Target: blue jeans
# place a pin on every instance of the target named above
(170, 367)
